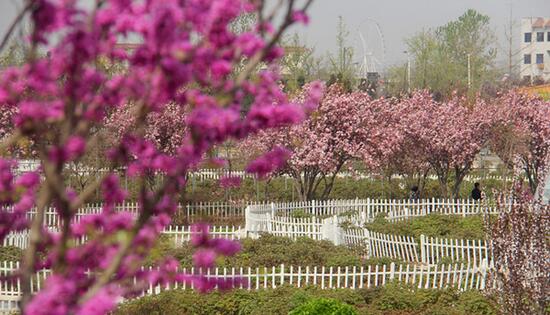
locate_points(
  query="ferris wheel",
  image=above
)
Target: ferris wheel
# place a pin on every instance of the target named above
(369, 47)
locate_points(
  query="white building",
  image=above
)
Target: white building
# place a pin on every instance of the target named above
(535, 49)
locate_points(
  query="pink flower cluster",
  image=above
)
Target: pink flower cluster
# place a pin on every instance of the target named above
(179, 79)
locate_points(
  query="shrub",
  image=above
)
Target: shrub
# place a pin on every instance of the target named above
(323, 306)
(433, 225)
(269, 250)
(392, 299)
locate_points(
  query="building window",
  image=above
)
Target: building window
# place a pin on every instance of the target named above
(540, 36)
(540, 59)
(527, 59)
(527, 37)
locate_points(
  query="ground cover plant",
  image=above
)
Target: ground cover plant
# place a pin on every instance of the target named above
(269, 251)
(389, 300)
(433, 225)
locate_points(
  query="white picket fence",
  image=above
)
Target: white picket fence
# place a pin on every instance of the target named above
(218, 173)
(435, 250)
(194, 212)
(358, 212)
(295, 227)
(461, 277)
(182, 234)
(428, 250)
(278, 219)
(368, 209)
(179, 235)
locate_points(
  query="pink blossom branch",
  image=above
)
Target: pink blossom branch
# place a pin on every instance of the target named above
(256, 59)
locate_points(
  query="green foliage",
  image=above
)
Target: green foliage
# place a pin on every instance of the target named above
(433, 225)
(10, 253)
(322, 306)
(341, 66)
(272, 251)
(399, 299)
(299, 64)
(439, 57)
(164, 245)
(392, 299)
(301, 214)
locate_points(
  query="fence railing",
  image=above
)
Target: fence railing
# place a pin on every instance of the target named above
(458, 276)
(178, 234)
(368, 209)
(218, 173)
(363, 210)
(214, 212)
(360, 211)
(295, 227)
(426, 250)
(327, 218)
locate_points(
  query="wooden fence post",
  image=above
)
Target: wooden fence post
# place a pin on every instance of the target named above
(423, 251)
(369, 243)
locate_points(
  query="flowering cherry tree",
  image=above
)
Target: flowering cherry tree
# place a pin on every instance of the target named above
(448, 135)
(522, 134)
(185, 57)
(345, 127)
(166, 128)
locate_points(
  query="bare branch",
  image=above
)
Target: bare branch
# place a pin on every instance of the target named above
(16, 21)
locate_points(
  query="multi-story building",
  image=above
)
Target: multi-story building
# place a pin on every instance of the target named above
(535, 49)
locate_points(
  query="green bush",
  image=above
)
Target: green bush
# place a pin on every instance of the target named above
(236, 302)
(392, 299)
(433, 225)
(322, 306)
(269, 250)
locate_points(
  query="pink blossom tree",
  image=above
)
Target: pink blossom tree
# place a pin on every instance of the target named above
(448, 135)
(522, 134)
(345, 127)
(166, 128)
(185, 56)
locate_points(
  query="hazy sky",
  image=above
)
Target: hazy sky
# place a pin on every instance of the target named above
(398, 19)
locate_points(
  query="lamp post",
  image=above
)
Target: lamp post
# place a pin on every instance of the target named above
(469, 73)
(408, 71)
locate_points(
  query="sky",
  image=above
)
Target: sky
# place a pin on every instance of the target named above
(397, 19)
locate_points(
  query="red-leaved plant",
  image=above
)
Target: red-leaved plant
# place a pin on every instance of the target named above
(186, 55)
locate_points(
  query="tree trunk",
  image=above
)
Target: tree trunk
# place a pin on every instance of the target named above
(460, 173)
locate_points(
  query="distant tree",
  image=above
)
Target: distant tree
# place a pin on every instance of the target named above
(470, 35)
(439, 58)
(341, 68)
(299, 65)
(522, 134)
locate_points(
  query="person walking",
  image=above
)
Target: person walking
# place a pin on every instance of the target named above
(476, 192)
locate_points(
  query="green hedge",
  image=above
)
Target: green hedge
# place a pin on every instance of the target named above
(433, 225)
(392, 299)
(269, 250)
